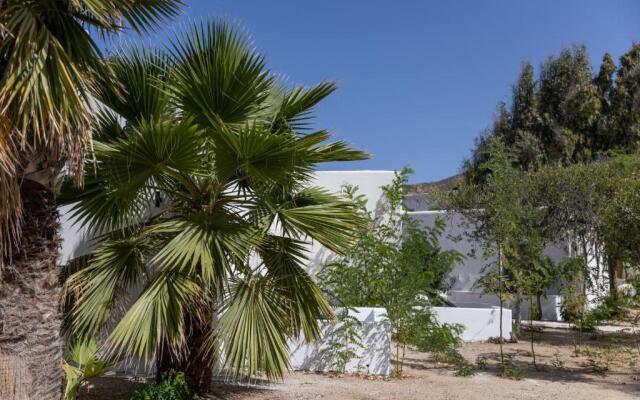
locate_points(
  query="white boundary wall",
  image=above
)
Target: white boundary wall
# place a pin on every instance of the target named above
(464, 276)
(372, 358)
(480, 323)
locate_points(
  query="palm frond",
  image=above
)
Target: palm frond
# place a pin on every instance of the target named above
(294, 111)
(156, 317)
(251, 329)
(115, 15)
(86, 363)
(140, 90)
(205, 245)
(131, 169)
(284, 259)
(256, 153)
(115, 267)
(49, 63)
(218, 76)
(321, 152)
(323, 216)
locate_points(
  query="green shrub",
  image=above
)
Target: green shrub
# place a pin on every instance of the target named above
(173, 386)
(610, 308)
(84, 362)
(510, 371)
(443, 340)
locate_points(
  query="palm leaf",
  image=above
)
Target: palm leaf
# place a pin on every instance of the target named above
(205, 245)
(132, 168)
(294, 111)
(251, 329)
(156, 317)
(218, 76)
(285, 259)
(257, 154)
(140, 91)
(115, 268)
(324, 217)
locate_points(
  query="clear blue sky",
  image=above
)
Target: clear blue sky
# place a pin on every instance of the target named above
(419, 79)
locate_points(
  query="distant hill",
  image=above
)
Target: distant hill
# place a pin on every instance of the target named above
(446, 183)
(417, 195)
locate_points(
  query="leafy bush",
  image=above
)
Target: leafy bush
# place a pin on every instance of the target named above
(173, 386)
(440, 338)
(510, 371)
(464, 368)
(84, 363)
(610, 308)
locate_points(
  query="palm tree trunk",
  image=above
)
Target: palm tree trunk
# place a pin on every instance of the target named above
(30, 318)
(196, 363)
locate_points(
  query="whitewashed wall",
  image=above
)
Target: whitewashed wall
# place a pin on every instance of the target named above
(480, 324)
(369, 184)
(464, 275)
(373, 357)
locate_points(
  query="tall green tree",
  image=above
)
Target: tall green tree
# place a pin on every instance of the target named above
(525, 121)
(569, 105)
(604, 138)
(567, 115)
(626, 102)
(201, 189)
(503, 216)
(49, 64)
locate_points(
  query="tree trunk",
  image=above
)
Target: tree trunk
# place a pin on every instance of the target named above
(613, 265)
(539, 307)
(30, 318)
(501, 338)
(196, 363)
(517, 311)
(533, 351)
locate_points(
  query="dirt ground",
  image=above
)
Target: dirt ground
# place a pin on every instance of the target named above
(606, 367)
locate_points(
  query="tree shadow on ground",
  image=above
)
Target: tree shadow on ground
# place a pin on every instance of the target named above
(122, 388)
(224, 391)
(622, 381)
(606, 361)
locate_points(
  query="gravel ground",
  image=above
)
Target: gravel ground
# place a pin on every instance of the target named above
(605, 368)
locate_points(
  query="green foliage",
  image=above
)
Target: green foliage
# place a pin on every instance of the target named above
(85, 362)
(610, 308)
(392, 260)
(398, 265)
(194, 162)
(342, 343)
(443, 341)
(510, 371)
(504, 216)
(567, 114)
(172, 386)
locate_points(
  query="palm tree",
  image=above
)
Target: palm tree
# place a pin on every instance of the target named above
(49, 62)
(201, 194)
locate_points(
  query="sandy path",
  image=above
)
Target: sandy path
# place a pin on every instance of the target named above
(435, 385)
(608, 368)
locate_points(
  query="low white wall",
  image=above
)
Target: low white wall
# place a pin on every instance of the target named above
(374, 357)
(480, 323)
(550, 304)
